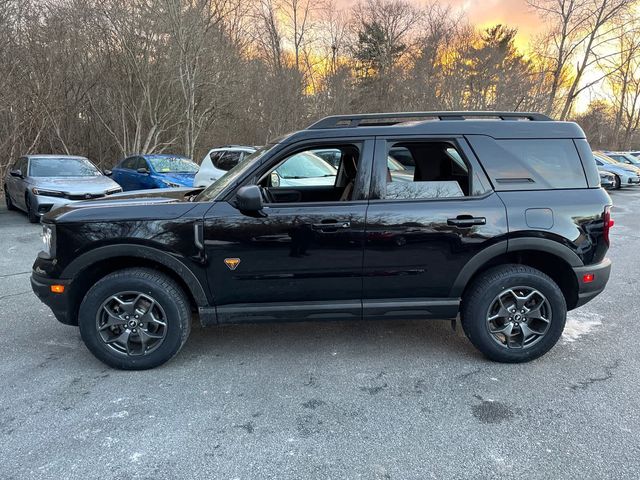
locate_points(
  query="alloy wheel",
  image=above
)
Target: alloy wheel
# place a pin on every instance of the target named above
(519, 317)
(131, 323)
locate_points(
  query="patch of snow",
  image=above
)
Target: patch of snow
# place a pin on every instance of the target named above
(135, 458)
(121, 414)
(580, 323)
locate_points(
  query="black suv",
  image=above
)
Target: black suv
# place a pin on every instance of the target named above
(497, 217)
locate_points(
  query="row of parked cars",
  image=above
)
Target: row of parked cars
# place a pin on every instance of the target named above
(37, 184)
(618, 169)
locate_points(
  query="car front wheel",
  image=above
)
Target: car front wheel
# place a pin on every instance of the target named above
(7, 199)
(513, 313)
(135, 319)
(32, 215)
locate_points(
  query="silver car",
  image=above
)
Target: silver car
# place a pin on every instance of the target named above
(625, 175)
(38, 184)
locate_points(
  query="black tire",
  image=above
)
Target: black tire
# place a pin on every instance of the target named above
(618, 183)
(7, 199)
(482, 294)
(169, 297)
(32, 215)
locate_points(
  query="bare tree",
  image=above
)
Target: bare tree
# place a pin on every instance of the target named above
(579, 28)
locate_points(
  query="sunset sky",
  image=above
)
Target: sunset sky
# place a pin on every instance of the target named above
(515, 13)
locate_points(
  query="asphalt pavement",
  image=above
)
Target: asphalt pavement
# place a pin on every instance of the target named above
(365, 400)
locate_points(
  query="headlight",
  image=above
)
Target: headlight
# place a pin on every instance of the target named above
(111, 191)
(47, 193)
(171, 184)
(48, 240)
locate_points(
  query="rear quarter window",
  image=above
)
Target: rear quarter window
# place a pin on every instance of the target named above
(526, 164)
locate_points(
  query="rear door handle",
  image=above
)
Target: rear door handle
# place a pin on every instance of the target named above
(331, 226)
(466, 221)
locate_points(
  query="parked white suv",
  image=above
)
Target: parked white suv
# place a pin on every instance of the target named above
(218, 161)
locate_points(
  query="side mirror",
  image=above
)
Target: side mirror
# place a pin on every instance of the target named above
(143, 170)
(107, 172)
(249, 198)
(275, 179)
(16, 173)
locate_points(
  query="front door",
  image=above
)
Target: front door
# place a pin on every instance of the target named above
(302, 258)
(427, 218)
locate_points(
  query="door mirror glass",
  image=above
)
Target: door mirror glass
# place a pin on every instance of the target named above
(16, 173)
(249, 198)
(143, 170)
(275, 179)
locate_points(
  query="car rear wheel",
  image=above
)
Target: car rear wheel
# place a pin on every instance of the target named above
(135, 319)
(617, 183)
(513, 313)
(7, 199)
(31, 213)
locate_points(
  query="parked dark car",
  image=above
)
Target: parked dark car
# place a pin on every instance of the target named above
(509, 232)
(141, 172)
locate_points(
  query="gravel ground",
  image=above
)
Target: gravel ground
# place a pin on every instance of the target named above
(379, 400)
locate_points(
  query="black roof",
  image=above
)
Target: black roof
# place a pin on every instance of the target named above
(502, 125)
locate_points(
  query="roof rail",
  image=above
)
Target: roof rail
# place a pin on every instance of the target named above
(384, 119)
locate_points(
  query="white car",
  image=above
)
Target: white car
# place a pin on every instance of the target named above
(218, 161)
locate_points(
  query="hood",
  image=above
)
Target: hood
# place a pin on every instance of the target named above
(97, 184)
(134, 204)
(155, 195)
(621, 168)
(185, 179)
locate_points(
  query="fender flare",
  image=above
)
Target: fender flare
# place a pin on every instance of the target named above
(507, 246)
(99, 254)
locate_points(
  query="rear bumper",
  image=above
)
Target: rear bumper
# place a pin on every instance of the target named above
(59, 303)
(587, 291)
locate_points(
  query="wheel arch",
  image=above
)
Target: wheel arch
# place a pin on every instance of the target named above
(548, 256)
(86, 269)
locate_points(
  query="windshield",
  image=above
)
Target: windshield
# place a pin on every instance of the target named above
(213, 190)
(394, 165)
(305, 165)
(625, 159)
(172, 164)
(62, 167)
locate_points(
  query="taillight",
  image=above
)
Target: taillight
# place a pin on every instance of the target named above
(608, 223)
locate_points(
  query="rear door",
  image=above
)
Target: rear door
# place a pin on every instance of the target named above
(424, 223)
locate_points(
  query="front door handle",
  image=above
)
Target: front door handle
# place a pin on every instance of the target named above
(331, 226)
(466, 221)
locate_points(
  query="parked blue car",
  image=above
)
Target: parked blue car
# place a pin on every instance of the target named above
(141, 172)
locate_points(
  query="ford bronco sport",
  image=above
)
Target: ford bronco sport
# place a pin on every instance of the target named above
(496, 217)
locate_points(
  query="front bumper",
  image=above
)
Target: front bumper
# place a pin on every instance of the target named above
(587, 291)
(43, 204)
(629, 180)
(59, 303)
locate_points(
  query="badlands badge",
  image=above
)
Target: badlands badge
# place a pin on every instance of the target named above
(232, 263)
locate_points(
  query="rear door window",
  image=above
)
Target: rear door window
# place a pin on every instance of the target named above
(229, 160)
(525, 164)
(129, 163)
